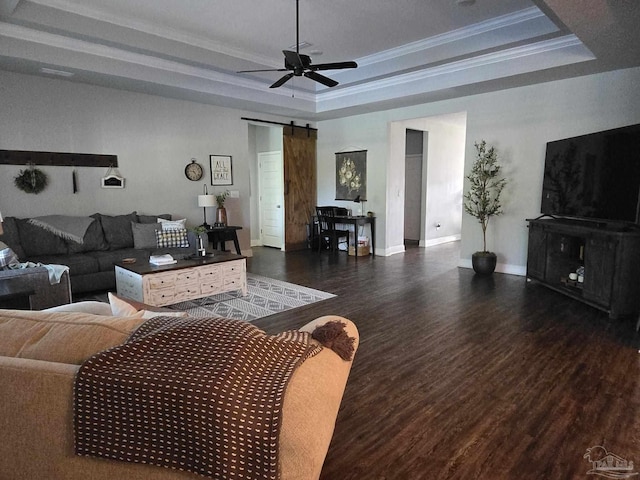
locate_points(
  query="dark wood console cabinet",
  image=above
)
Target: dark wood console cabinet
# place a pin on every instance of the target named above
(609, 254)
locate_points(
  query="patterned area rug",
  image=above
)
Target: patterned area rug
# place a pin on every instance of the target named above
(265, 296)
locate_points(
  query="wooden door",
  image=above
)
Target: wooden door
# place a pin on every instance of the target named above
(299, 184)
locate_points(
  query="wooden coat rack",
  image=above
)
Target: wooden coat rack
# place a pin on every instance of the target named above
(26, 157)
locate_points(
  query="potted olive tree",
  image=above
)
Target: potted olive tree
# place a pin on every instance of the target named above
(482, 201)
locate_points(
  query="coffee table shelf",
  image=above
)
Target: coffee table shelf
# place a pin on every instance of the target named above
(161, 285)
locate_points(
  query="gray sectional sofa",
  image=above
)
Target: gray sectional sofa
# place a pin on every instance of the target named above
(108, 239)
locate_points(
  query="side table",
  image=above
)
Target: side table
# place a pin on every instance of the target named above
(221, 235)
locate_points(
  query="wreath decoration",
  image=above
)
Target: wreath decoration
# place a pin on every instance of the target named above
(31, 180)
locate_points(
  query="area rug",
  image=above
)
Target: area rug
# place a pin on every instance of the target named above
(265, 296)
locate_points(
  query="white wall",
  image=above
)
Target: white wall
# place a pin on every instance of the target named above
(153, 137)
(518, 122)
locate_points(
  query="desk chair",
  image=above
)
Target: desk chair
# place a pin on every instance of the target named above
(328, 231)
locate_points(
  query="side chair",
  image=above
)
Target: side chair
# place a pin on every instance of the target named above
(328, 231)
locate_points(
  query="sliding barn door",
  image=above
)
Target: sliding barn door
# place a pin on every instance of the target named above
(299, 184)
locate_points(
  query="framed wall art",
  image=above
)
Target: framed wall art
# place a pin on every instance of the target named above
(351, 175)
(221, 170)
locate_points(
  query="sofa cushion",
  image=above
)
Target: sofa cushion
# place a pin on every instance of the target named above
(93, 239)
(117, 230)
(153, 218)
(79, 263)
(11, 236)
(61, 337)
(107, 259)
(38, 241)
(144, 234)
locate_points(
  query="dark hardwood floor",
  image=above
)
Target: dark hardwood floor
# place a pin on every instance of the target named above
(464, 377)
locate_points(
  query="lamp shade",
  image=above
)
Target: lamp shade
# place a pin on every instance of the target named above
(206, 200)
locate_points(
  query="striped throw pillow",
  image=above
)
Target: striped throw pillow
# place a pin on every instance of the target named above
(172, 238)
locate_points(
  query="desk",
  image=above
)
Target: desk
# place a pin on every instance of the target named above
(220, 235)
(357, 221)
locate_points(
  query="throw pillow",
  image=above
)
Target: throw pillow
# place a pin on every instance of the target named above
(93, 239)
(7, 256)
(144, 234)
(37, 241)
(153, 218)
(88, 306)
(172, 238)
(121, 307)
(117, 230)
(11, 236)
(172, 224)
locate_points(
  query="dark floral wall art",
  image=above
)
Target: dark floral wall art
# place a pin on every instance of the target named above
(351, 175)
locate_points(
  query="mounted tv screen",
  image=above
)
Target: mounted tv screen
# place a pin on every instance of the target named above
(595, 176)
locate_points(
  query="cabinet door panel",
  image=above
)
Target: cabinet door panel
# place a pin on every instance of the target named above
(599, 269)
(537, 252)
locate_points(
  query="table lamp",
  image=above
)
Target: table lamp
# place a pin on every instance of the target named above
(361, 201)
(205, 201)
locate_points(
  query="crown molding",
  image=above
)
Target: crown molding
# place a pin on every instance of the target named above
(502, 56)
(493, 24)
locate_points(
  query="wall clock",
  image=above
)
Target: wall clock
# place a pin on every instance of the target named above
(194, 171)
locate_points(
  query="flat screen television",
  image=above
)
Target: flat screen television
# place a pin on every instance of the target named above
(594, 176)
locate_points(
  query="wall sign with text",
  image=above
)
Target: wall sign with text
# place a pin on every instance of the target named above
(221, 172)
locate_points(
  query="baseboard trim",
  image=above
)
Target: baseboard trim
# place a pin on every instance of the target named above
(439, 241)
(392, 251)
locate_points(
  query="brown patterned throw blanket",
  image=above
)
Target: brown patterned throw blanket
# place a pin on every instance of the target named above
(202, 395)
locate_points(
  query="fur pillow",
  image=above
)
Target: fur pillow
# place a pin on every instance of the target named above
(173, 224)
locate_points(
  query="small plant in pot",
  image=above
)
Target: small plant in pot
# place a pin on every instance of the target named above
(221, 213)
(482, 201)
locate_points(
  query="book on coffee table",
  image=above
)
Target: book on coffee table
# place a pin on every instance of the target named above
(162, 259)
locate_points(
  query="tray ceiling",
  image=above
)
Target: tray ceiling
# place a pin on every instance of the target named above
(408, 51)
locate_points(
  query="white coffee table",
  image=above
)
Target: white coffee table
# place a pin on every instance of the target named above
(185, 280)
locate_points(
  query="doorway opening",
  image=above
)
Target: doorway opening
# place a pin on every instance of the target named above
(267, 186)
(414, 153)
(425, 184)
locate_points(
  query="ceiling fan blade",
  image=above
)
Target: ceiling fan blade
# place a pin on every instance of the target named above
(267, 70)
(333, 66)
(321, 79)
(282, 81)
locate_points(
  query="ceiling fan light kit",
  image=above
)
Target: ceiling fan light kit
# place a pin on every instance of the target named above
(298, 64)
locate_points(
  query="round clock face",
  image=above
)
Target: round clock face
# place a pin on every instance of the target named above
(193, 171)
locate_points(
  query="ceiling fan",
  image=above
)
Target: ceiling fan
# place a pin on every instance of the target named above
(298, 64)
